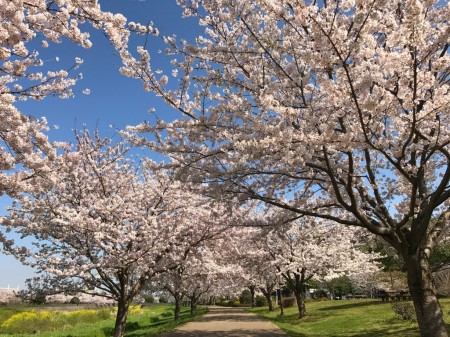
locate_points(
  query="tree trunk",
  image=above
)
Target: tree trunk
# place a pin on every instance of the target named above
(252, 292)
(300, 297)
(121, 318)
(177, 308)
(193, 305)
(280, 299)
(428, 310)
(297, 285)
(269, 302)
(268, 297)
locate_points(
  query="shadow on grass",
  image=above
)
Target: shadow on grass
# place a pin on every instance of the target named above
(233, 317)
(154, 326)
(373, 333)
(231, 333)
(351, 305)
(391, 327)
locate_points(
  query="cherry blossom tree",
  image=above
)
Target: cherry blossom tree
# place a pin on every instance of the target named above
(302, 251)
(193, 276)
(186, 281)
(331, 109)
(28, 27)
(107, 225)
(258, 270)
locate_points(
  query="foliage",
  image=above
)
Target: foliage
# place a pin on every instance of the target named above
(340, 286)
(149, 298)
(75, 300)
(245, 297)
(261, 301)
(440, 257)
(404, 310)
(163, 299)
(288, 302)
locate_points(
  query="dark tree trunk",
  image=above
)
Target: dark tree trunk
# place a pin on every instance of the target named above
(428, 310)
(268, 298)
(193, 301)
(269, 302)
(280, 298)
(267, 292)
(252, 292)
(296, 282)
(177, 307)
(300, 297)
(121, 318)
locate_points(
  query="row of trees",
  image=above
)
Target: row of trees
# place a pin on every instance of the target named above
(335, 110)
(309, 112)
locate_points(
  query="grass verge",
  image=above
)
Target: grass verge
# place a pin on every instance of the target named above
(146, 322)
(346, 318)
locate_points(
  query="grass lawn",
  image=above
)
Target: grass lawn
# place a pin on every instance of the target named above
(147, 322)
(349, 318)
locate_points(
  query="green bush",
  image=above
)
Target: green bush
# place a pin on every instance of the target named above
(167, 314)
(149, 298)
(163, 299)
(404, 310)
(246, 297)
(75, 300)
(288, 302)
(261, 301)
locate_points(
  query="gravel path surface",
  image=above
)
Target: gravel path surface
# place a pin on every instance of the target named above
(227, 322)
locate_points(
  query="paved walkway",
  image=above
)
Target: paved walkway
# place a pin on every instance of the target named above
(227, 322)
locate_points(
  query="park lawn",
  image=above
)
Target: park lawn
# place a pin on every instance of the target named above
(346, 318)
(146, 322)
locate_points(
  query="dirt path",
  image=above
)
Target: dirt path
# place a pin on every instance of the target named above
(227, 322)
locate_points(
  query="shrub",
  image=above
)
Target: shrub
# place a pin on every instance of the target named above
(235, 302)
(261, 301)
(404, 310)
(223, 303)
(288, 302)
(167, 314)
(75, 300)
(163, 299)
(246, 297)
(149, 299)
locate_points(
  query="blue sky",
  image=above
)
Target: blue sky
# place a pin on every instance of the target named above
(114, 99)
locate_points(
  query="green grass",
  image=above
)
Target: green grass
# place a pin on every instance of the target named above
(346, 318)
(147, 322)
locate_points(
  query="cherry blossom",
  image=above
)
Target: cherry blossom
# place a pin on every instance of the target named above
(334, 109)
(106, 225)
(300, 251)
(27, 27)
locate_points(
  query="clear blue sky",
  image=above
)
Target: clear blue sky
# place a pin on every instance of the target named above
(114, 99)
